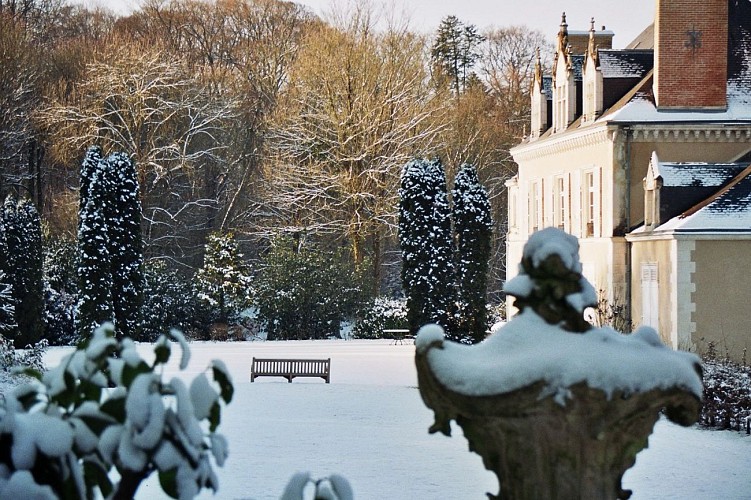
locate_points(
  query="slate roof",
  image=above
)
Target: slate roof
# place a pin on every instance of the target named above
(577, 64)
(739, 50)
(729, 210)
(697, 174)
(625, 63)
(547, 87)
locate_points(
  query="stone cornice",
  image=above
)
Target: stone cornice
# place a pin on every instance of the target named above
(653, 132)
(696, 132)
(565, 141)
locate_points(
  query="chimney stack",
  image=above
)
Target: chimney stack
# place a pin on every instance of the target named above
(691, 54)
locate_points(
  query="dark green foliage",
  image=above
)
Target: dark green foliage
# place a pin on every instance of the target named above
(306, 293)
(169, 302)
(60, 291)
(473, 230)
(427, 249)
(125, 247)
(23, 238)
(455, 50)
(223, 283)
(92, 405)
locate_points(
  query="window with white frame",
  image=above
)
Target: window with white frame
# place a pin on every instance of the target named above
(561, 106)
(649, 295)
(589, 203)
(560, 205)
(535, 207)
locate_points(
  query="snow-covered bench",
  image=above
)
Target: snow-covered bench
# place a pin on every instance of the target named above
(291, 368)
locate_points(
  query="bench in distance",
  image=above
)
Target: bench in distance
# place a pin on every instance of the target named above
(291, 368)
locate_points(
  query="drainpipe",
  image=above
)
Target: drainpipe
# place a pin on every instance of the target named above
(627, 167)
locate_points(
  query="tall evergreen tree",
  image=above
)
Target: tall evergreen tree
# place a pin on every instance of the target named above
(94, 274)
(455, 50)
(425, 240)
(125, 246)
(23, 237)
(223, 282)
(473, 229)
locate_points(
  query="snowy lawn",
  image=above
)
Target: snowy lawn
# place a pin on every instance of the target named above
(370, 425)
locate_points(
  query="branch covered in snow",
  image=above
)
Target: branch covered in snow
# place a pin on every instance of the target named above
(105, 407)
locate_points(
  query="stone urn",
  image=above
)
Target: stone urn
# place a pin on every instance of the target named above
(556, 408)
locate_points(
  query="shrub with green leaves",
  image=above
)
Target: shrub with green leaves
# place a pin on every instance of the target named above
(384, 313)
(169, 300)
(106, 408)
(306, 293)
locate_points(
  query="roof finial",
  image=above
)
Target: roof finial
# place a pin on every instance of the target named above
(563, 33)
(592, 24)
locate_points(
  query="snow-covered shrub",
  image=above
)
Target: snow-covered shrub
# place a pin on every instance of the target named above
(223, 283)
(727, 392)
(169, 300)
(383, 314)
(60, 290)
(334, 487)
(305, 293)
(104, 407)
(31, 356)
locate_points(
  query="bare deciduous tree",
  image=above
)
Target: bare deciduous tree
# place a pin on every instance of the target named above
(357, 108)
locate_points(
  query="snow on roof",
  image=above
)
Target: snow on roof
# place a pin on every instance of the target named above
(625, 63)
(643, 110)
(697, 174)
(728, 211)
(528, 350)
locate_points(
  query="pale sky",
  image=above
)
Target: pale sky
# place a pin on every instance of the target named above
(626, 18)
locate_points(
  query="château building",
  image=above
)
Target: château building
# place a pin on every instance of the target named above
(644, 154)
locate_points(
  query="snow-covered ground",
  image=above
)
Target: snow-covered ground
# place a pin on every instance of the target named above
(370, 425)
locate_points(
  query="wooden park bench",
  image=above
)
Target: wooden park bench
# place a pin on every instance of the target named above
(291, 368)
(398, 335)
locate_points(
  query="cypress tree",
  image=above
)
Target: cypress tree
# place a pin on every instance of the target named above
(125, 247)
(94, 272)
(23, 269)
(425, 240)
(473, 228)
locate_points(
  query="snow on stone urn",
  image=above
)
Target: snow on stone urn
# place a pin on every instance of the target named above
(555, 407)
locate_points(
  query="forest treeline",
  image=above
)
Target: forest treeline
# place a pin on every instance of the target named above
(257, 117)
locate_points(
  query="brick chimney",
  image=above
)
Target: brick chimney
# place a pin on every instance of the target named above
(691, 54)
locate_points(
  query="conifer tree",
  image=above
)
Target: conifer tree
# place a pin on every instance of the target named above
(473, 230)
(125, 247)
(23, 250)
(223, 282)
(94, 272)
(455, 50)
(425, 240)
